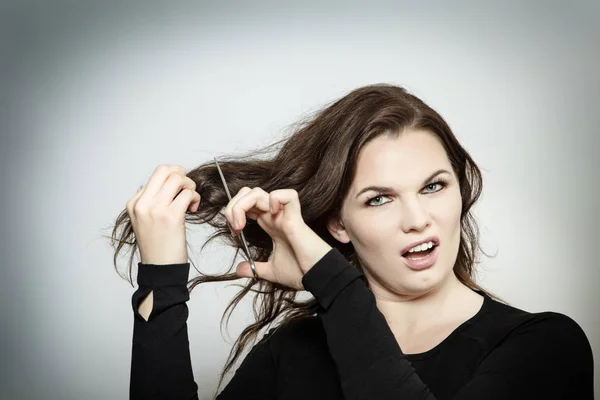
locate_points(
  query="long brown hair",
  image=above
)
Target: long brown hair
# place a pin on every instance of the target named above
(318, 160)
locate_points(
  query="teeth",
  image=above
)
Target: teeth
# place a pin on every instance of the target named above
(421, 247)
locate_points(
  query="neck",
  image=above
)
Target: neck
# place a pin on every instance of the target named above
(416, 312)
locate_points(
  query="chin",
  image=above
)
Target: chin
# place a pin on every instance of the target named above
(424, 281)
(405, 281)
(420, 285)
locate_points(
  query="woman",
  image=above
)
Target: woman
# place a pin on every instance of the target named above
(367, 206)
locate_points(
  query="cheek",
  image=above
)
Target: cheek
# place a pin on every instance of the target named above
(448, 214)
(367, 235)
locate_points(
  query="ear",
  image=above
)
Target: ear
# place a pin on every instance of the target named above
(336, 228)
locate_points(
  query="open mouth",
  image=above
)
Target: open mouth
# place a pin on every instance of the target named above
(416, 255)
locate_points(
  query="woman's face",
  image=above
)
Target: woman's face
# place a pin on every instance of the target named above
(421, 202)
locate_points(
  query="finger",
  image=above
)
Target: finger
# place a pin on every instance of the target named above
(257, 199)
(172, 187)
(286, 199)
(159, 177)
(231, 203)
(132, 201)
(184, 200)
(195, 203)
(263, 269)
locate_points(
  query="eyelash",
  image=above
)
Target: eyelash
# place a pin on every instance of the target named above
(441, 182)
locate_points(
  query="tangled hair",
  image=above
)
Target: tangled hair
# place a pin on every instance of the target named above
(318, 160)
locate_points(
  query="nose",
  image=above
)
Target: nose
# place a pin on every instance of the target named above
(415, 216)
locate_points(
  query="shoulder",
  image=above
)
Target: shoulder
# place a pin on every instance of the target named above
(563, 332)
(545, 335)
(554, 328)
(511, 321)
(546, 352)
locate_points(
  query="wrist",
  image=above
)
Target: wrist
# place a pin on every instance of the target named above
(313, 249)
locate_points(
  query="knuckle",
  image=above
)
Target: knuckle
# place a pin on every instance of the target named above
(227, 212)
(129, 206)
(174, 176)
(192, 183)
(171, 168)
(186, 193)
(140, 208)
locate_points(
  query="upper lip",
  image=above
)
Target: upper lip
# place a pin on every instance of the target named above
(434, 239)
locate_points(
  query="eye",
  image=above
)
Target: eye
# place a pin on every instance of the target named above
(431, 188)
(379, 196)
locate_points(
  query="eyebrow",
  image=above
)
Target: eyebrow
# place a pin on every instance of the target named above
(389, 189)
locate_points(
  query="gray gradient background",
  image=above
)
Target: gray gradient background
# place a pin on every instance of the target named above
(94, 95)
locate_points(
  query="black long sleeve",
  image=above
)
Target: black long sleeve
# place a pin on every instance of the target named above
(549, 358)
(349, 352)
(160, 360)
(161, 364)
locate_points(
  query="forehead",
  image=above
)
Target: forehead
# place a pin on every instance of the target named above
(405, 159)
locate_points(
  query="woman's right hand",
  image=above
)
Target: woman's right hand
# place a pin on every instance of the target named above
(296, 247)
(157, 212)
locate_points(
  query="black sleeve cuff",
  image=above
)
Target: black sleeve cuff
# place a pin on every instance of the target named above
(326, 279)
(153, 275)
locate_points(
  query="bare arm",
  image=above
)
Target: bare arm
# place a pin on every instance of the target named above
(146, 305)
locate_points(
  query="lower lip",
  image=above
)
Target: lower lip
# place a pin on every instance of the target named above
(422, 263)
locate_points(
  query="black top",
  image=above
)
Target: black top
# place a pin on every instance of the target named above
(349, 352)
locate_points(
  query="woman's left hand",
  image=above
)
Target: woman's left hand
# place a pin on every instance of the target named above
(296, 247)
